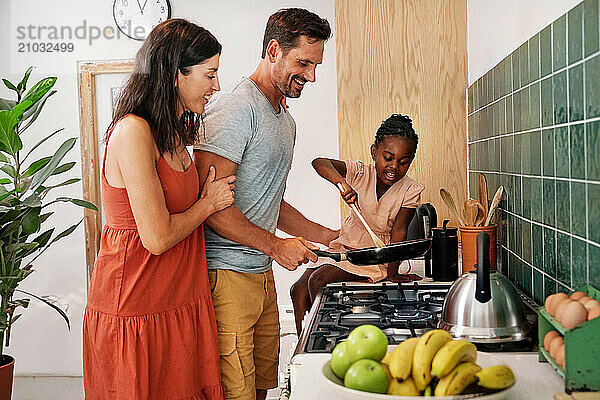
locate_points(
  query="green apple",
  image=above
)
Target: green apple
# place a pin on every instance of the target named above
(367, 341)
(367, 376)
(340, 361)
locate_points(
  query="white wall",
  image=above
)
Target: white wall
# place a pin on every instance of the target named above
(497, 28)
(40, 340)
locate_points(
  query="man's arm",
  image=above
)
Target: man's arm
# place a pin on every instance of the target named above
(232, 224)
(292, 222)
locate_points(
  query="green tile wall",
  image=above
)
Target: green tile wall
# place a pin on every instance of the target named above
(534, 125)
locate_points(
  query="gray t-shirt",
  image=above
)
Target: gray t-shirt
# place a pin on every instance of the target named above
(243, 127)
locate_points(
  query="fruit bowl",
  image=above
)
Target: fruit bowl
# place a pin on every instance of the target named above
(483, 359)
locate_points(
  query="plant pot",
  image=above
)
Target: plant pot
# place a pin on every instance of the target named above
(7, 364)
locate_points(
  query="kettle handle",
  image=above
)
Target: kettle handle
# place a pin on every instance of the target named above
(482, 291)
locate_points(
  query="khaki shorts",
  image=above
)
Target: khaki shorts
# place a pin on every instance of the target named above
(248, 329)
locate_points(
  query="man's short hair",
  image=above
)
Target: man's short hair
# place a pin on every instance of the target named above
(288, 24)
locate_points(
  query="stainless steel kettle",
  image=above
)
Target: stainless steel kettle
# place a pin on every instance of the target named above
(484, 307)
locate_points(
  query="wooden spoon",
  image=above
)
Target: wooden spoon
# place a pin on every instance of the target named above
(449, 201)
(474, 213)
(494, 206)
(378, 242)
(483, 194)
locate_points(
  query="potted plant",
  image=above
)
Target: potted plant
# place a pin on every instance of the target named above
(24, 200)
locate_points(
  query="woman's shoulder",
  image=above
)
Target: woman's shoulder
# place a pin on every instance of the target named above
(132, 132)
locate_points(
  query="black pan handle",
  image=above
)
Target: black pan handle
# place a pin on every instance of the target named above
(336, 256)
(482, 288)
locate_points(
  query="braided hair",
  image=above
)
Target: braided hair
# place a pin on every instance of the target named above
(397, 125)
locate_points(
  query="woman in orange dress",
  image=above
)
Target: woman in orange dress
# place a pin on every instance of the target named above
(387, 198)
(149, 328)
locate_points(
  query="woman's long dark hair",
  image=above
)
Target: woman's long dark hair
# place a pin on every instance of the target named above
(150, 93)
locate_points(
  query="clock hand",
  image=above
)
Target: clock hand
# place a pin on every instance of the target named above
(140, 7)
(144, 6)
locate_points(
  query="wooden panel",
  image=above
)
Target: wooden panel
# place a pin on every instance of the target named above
(90, 159)
(408, 57)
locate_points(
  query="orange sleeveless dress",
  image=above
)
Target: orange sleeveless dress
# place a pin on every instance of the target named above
(149, 329)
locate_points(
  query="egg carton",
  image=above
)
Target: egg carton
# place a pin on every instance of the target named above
(582, 348)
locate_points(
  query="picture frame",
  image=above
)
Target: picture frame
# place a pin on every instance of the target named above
(99, 89)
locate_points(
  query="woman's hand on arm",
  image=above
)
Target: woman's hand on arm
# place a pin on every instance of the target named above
(132, 147)
(217, 193)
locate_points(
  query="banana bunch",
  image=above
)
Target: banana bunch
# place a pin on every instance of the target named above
(457, 380)
(436, 364)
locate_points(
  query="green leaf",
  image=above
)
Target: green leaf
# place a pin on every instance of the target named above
(42, 141)
(79, 202)
(4, 181)
(31, 221)
(20, 246)
(45, 216)
(42, 191)
(9, 216)
(9, 140)
(10, 85)
(65, 233)
(50, 303)
(6, 104)
(41, 176)
(63, 168)
(34, 111)
(33, 95)
(32, 201)
(44, 237)
(5, 195)
(19, 303)
(9, 169)
(36, 166)
(23, 84)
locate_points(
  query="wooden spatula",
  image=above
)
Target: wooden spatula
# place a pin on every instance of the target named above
(494, 206)
(449, 201)
(483, 194)
(474, 213)
(378, 242)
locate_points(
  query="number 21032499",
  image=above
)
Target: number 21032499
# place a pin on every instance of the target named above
(45, 47)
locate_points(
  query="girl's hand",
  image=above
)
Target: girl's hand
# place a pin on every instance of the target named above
(348, 194)
(218, 193)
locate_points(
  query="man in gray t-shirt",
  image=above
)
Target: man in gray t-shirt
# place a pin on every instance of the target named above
(250, 133)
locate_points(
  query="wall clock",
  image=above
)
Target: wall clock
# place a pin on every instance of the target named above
(136, 18)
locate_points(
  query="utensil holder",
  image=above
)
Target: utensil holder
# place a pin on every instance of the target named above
(582, 351)
(468, 238)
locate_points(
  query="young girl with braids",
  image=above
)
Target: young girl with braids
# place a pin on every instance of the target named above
(387, 199)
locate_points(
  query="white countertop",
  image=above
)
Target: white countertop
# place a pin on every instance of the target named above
(535, 380)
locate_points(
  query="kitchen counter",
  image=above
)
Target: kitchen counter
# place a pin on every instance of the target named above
(535, 380)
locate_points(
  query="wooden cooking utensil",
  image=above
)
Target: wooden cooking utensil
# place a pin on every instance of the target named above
(494, 206)
(483, 194)
(449, 201)
(481, 215)
(474, 213)
(378, 242)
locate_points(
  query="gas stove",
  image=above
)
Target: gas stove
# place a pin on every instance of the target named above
(401, 310)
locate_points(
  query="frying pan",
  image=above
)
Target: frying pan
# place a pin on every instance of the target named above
(381, 255)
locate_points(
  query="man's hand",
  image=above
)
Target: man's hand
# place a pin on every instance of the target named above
(292, 252)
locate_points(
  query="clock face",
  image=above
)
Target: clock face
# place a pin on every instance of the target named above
(136, 18)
